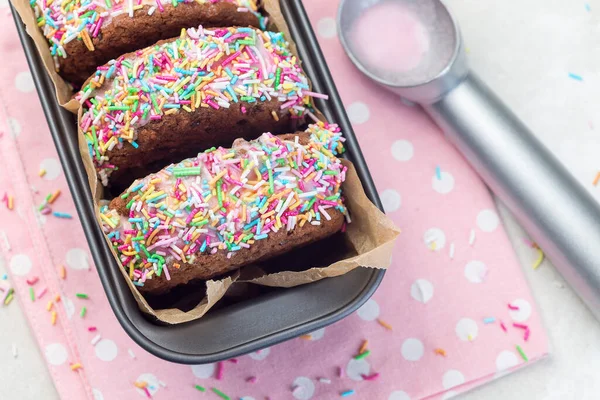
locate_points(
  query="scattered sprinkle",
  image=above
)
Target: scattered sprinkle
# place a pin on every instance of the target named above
(596, 179)
(219, 374)
(49, 305)
(251, 379)
(76, 366)
(220, 394)
(489, 320)
(588, 7)
(325, 381)
(200, 388)
(575, 77)
(82, 295)
(526, 335)
(472, 237)
(438, 173)
(233, 360)
(362, 355)
(54, 196)
(53, 317)
(514, 308)
(384, 324)
(9, 298)
(96, 339)
(92, 328)
(440, 352)
(520, 326)
(42, 293)
(42, 172)
(62, 271)
(503, 326)
(62, 215)
(347, 393)
(522, 353)
(32, 281)
(306, 337)
(31, 294)
(83, 312)
(131, 354)
(340, 372)
(363, 347)
(371, 377)
(540, 258)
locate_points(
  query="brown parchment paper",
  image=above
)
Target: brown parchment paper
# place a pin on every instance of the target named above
(64, 90)
(370, 236)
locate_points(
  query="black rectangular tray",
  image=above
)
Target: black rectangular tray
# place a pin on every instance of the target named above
(244, 327)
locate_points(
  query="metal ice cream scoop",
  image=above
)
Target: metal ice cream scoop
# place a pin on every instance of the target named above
(432, 70)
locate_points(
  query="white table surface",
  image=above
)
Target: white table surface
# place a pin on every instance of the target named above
(525, 50)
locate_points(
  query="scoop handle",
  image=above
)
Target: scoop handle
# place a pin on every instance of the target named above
(555, 209)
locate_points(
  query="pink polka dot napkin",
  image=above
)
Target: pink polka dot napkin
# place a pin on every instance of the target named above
(434, 328)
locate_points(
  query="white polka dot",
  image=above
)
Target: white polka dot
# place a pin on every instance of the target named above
(391, 200)
(56, 354)
(24, 82)
(443, 185)
(357, 368)
(97, 394)
(20, 264)
(487, 220)
(68, 306)
(435, 239)
(203, 371)
(398, 395)
(78, 259)
(412, 349)
(476, 271)
(3, 3)
(369, 311)
(327, 28)
(358, 113)
(524, 311)
(402, 150)
(421, 290)
(407, 102)
(317, 335)
(506, 360)
(52, 167)
(452, 378)
(303, 388)
(449, 395)
(152, 384)
(466, 329)
(260, 354)
(106, 350)
(14, 126)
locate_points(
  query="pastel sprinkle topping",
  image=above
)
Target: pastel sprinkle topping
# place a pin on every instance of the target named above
(64, 21)
(202, 68)
(227, 200)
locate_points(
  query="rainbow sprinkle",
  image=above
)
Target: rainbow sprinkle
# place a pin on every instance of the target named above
(65, 21)
(200, 69)
(227, 199)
